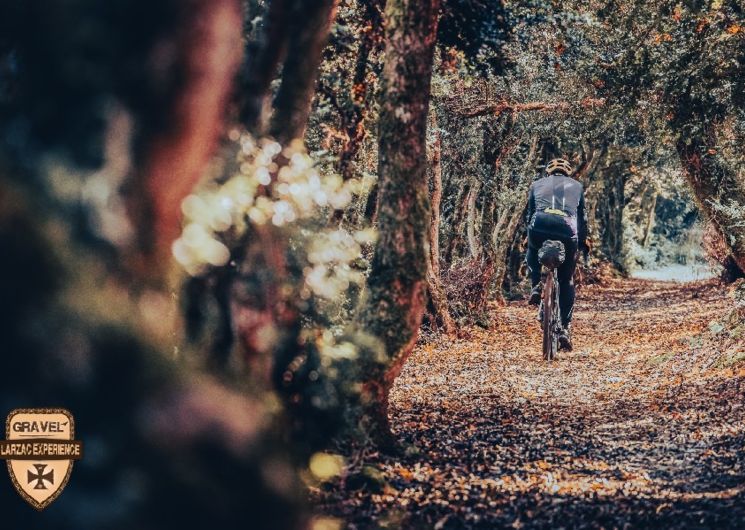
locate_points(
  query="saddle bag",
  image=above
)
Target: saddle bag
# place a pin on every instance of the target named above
(552, 253)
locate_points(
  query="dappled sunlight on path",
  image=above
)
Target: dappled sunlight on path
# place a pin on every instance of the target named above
(633, 427)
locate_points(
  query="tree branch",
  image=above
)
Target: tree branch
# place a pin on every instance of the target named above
(497, 109)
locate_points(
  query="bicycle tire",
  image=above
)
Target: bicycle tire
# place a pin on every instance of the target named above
(550, 336)
(557, 312)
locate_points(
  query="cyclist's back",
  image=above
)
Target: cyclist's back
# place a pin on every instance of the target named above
(556, 202)
(556, 211)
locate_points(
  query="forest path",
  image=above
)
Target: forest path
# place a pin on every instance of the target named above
(632, 428)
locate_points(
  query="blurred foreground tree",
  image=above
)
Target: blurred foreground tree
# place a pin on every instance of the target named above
(105, 131)
(396, 288)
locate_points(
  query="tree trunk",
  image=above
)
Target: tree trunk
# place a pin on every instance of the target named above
(175, 157)
(311, 24)
(473, 245)
(458, 225)
(354, 124)
(262, 62)
(77, 330)
(484, 263)
(504, 234)
(649, 225)
(609, 213)
(714, 186)
(605, 200)
(587, 167)
(436, 292)
(499, 144)
(396, 289)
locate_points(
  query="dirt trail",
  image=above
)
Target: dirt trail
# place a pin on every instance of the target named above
(632, 429)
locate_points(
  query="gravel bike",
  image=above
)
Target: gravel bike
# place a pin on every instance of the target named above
(550, 315)
(551, 255)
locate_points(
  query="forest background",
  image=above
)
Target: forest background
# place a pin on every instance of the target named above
(223, 224)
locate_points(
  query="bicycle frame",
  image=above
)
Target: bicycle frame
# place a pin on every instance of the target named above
(551, 315)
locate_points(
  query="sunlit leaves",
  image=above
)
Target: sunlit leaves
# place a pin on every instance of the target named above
(272, 185)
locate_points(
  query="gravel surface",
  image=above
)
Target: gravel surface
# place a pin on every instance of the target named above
(632, 429)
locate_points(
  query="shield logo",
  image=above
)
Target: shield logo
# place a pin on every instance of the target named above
(40, 449)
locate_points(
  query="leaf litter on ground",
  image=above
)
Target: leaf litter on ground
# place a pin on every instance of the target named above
(635, 428)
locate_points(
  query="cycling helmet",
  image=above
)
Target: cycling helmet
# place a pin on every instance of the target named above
(559, 164)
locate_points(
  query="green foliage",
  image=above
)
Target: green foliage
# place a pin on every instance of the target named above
(478, 29)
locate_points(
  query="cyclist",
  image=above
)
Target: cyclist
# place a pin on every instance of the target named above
(556, 210)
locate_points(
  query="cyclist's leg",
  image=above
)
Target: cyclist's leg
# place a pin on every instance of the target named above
(566, 282)
(535, 240)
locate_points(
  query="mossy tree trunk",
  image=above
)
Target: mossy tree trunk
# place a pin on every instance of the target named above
(396, 290)
(457, 225)
(509, 222)
(645, 218)
(87, 319)
(474, 248)
(309, 32)
(608, 217)
(263, 57)
(248, 295)
(715, 188)
(438, 299)
(353, 119)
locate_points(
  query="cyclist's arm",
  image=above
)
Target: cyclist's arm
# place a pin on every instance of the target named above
(531, 206)
(582, 223)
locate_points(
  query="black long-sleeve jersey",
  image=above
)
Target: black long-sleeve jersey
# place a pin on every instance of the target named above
(556, 206)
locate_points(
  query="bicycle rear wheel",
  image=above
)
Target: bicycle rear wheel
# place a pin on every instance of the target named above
(550, 322)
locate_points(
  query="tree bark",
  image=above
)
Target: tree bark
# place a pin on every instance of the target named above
(496, 109)
(175, 157)
(354, 123)
(504, 234)
(649, 225)
(457, 226)
(436, 292)
(262, 63)
(588, 166)
(499, 144)
(608, 212)
(396, 289)
(309, 33)
(714, 185)
(473, 244)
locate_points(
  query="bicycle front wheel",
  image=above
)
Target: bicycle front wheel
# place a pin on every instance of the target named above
(550, 324)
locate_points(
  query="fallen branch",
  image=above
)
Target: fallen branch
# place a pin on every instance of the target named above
(497, 109)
